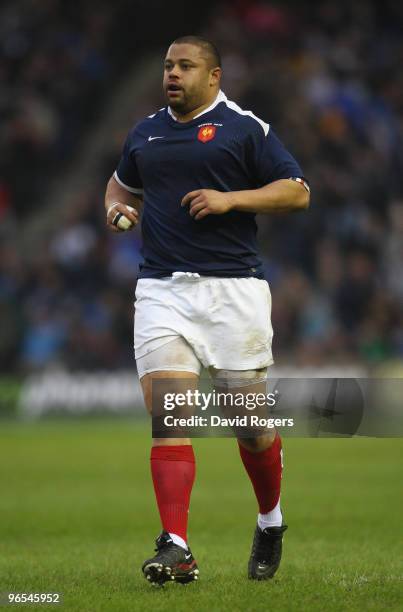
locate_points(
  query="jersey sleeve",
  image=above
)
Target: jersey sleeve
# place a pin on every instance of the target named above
(272, 161)
(126, 173)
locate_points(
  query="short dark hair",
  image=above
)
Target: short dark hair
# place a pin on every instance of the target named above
(209, 48)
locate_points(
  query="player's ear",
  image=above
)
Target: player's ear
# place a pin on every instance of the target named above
(215, 76)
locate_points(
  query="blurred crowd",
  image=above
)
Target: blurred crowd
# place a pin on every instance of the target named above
(54, 61)
(327, 77)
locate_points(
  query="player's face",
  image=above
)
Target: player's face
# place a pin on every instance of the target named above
(188, 82)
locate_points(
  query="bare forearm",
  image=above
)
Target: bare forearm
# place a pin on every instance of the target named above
(117, 193)
(279, 197)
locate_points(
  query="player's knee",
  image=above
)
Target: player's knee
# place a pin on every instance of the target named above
(146, 385)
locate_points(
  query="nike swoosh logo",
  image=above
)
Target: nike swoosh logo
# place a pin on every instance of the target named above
(187, 557)
(150, 138)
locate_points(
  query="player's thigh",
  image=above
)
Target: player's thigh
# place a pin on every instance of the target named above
(156, 385)
(170, 368)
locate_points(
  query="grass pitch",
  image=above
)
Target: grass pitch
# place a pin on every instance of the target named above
(77, 516)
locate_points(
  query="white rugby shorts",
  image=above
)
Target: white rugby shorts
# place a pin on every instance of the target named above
(226, 321)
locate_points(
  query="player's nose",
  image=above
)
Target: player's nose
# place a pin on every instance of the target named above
(174, 72)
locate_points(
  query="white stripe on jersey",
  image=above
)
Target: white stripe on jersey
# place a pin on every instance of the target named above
(153, 115)
(238, 109)
(221, 97)
(122, 184)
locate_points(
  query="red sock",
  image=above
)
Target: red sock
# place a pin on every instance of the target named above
(264, 469)
(173, 472)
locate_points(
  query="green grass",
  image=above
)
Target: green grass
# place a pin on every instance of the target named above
(77, 516)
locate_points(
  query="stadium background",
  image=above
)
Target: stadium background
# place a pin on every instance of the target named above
(74, 77)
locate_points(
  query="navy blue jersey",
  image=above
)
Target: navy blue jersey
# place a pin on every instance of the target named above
(223, 148)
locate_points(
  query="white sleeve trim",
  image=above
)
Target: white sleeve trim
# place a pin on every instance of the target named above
(122, 184)
(238, 109)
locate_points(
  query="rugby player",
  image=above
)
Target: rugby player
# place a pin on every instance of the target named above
(200, 169)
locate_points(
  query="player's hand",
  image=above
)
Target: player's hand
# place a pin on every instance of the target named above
(118, 207)
(203, 202)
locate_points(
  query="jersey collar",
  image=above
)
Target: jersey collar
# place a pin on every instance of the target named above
(221, 97)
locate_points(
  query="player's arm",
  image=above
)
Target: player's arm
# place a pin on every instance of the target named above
(117, 198)
(282, 196)
(125, 187)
